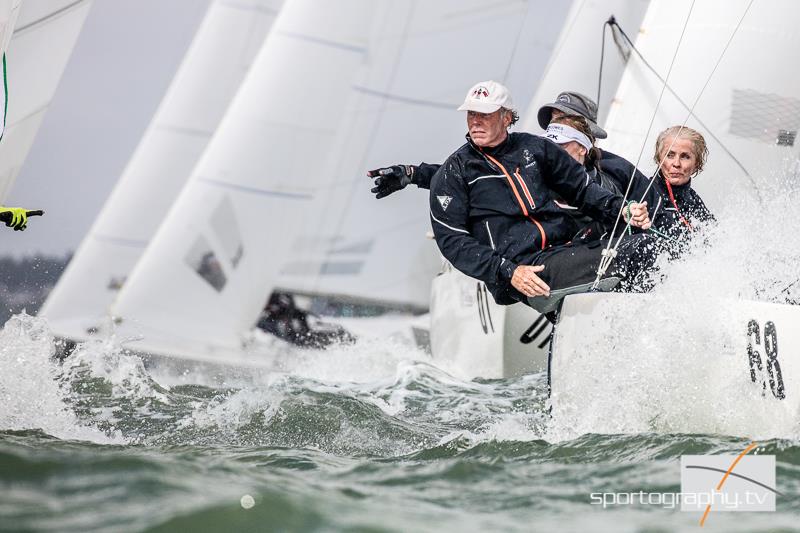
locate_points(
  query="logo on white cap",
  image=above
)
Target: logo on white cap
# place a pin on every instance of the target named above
(480, 91)
(487, 97)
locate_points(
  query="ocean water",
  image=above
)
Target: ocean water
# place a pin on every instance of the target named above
(100, 444)
(379, 437)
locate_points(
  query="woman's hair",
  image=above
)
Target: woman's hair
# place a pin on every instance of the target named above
(579, 123)
(682, 132)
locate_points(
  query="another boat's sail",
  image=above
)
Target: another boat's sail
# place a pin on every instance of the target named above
(217, 61)
(9, 11)
(403, 108)
(43, 38)
(208, 271)
(575, 62)
(750, 111)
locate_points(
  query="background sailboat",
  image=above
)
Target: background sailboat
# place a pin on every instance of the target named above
(207, 273)
(217, 61)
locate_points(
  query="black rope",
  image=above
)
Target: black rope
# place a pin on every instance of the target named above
(607, 23)
(680, 100)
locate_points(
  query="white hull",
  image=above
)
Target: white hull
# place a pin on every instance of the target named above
(632, 362)
(473, 336)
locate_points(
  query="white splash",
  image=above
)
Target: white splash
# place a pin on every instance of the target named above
(30, 384)
(676, 360)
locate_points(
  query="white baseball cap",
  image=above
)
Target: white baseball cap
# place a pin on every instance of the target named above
(487, 97)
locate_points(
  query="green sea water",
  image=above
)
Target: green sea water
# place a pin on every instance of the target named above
(104, 444)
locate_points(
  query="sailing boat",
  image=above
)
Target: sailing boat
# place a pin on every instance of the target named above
(207, 80)
(44, 35)
(477, 336)
(201, 283)
(740, 351)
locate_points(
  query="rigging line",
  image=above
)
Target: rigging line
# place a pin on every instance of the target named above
(608, 255)
(690, 113)
(602, 59)
(702, 90)
(685, 105)
(516, 42)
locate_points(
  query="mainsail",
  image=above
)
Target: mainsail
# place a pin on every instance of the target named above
(749, 112)
(208, 271)
(403, 109)
(43, 38)
(217, 61)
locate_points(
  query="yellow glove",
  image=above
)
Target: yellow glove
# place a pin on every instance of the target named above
(14, 217)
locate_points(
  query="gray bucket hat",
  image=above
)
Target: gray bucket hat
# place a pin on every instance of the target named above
(573, 103)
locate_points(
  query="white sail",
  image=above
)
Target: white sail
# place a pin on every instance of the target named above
(215, 64)
(403, 109)
(575, 62)
(207, 273)
(43, 38)
(9, 11)
(750, 111)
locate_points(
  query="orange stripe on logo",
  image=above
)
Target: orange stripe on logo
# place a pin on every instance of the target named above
(722, 481)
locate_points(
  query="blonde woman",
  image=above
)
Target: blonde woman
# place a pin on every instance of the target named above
(681, 154)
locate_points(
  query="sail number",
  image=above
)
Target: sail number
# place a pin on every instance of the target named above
(769, 343)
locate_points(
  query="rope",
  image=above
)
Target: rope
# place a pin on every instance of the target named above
(685, 105)
(602, 60)
(608, 255)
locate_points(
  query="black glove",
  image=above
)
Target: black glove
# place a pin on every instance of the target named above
(391, 179)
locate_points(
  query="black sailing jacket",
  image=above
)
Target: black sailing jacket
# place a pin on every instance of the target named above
(493, 209)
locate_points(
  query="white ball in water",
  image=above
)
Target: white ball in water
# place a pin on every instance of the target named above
(247, 501)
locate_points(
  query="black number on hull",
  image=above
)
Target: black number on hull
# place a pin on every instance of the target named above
(771, 352)
(484, 312)
(773, 366)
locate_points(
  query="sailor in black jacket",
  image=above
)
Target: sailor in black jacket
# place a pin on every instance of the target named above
(493, 211)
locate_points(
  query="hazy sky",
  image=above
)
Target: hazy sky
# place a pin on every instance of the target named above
(120, 68)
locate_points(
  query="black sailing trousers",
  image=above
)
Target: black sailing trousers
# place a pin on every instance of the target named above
(576, 264)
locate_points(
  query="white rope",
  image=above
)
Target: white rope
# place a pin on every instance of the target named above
(608, 256)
